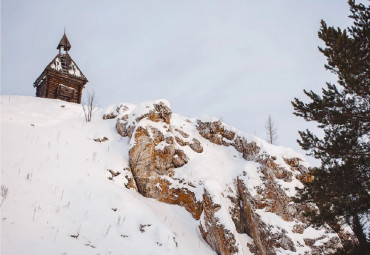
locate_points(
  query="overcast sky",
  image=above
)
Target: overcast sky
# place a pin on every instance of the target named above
(236, 60)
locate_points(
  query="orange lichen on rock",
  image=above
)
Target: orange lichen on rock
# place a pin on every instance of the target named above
(292, 162)
(154, 155)
(183, 197)
(308, 178)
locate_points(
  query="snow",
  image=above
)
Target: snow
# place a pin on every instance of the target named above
(277, 223)
(57, 65)
(290, 187)
(58, 186)
(206, 118)
(57, 178)
(73, 70)
(365, 222)
(144, 108)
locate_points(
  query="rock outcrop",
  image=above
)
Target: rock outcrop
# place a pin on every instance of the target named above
(272, 199)
(156, 151)
(240, 188)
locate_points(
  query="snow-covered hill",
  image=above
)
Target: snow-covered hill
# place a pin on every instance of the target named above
(58, 186)
(71, 187)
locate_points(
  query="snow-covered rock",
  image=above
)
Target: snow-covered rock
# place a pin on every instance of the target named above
(238, 183)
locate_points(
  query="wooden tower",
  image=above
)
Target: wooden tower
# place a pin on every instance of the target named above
(61, 79)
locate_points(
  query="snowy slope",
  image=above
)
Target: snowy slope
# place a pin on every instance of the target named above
(58, 194)
(58, 187)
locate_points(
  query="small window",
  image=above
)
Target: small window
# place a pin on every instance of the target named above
(65, 93)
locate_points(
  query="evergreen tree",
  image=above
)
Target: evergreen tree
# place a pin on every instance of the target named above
(341, 185)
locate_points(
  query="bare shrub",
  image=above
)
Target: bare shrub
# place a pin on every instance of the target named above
(89, 105)
(4, 193)
(271, 132)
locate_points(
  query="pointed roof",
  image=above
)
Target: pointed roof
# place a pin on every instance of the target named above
(64, 43)
(64, 64)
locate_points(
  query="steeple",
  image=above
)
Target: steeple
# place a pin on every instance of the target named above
(64, 43)
(62, 78)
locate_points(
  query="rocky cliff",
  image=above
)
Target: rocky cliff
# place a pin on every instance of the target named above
(238, 187)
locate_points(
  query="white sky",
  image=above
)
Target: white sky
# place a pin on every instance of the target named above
(236, 60)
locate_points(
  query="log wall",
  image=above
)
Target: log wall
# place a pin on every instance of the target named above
(48, 85)
(41, 89)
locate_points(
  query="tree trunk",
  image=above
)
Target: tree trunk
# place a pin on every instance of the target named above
(357, 229)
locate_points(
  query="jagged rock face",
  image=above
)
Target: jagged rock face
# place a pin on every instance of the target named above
(216, 133)
(215, 234)
(271, 198)
(264, 239)
(155, 152)
(252, 213)
(150, 167)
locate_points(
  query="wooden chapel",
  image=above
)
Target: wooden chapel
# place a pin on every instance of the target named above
(61, 79)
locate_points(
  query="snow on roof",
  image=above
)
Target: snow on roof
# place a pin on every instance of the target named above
(64, 63)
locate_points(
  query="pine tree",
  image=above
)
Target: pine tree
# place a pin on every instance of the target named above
(342, 184)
